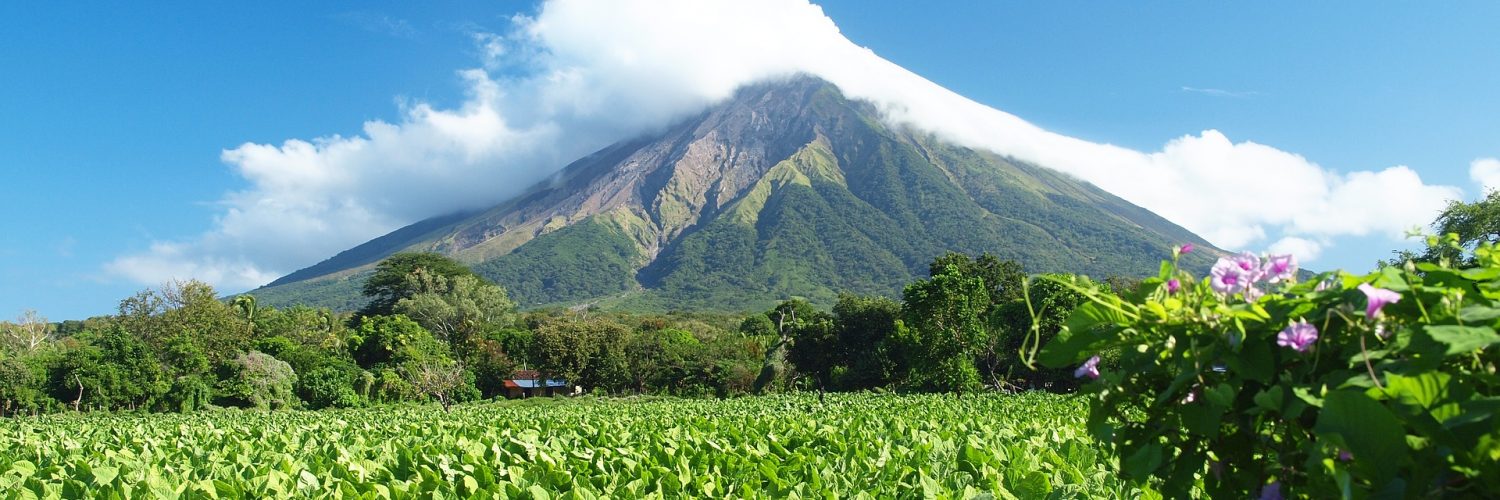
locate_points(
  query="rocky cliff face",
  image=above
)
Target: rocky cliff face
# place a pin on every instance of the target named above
(786, 189)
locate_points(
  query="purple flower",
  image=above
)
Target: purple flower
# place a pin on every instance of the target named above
(1089, 369)
(1226, 277)
(1271, 491)
(1298, 336)
(1173, 285)
(1235, 273)
(1378, 297)
(1344, 456)
(1249, 264)
(1187, 248)
(1280, 267)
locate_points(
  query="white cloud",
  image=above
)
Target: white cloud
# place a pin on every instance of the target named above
(1306, 250)
(593, 72)
(1238, 94)
(1486, 172)
(491, 49)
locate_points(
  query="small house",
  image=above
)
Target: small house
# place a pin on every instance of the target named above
(529, 383)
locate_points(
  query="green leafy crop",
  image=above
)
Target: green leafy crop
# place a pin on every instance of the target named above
(845, 446)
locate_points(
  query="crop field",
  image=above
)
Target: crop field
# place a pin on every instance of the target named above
(849, 445)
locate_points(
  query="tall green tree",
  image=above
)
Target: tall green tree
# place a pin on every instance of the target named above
(19, 387)
(944, 329)
(1003, 279)
(456, 309)
(188, 310)
(865, 327)
(384, 341)
(1472, 223)
(815, 349)
(390, 283)
(111, 370)
(586, 352)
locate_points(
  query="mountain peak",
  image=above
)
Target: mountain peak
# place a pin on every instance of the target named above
(786, 188)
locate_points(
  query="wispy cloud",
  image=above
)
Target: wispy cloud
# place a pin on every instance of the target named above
(1236, 94)
(1485, 172)
(380, 23)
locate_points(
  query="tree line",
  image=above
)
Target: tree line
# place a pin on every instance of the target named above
(435, 331)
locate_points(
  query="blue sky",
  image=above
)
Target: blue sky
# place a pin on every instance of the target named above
(114, 118)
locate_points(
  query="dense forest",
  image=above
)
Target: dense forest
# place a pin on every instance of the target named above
(435, 331)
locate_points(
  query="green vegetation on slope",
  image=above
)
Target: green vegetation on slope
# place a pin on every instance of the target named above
(1020, 446)
(588, 259)
(339, 293)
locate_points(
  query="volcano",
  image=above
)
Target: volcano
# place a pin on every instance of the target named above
(786, 189)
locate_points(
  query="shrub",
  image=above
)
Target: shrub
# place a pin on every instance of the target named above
(331, 387)
(1248, 383)
(261, 381)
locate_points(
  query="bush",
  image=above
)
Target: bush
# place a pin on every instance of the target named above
(260, 381)
(1248, 383)
(331, 387)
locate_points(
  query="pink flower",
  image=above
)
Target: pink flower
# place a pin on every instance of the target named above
(1187, 248)
(1249, 264)
(1378, 298)
(1299, 336)
(1253, 294)
(1235, 273)
(1226, 277)
(1173, 285)
(1280, 267)
(1089, 369)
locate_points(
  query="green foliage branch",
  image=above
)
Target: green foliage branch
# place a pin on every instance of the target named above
(1201, 392)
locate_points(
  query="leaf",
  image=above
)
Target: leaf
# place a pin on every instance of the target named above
(1391, 279)
(1307, 396)
(1478, 314)
(1463, 339)
(1144, 461)
(1270, 399)
(1254, 362)
(1081, 336)
(23, 467)
(1202, 418)
(1221, 395)
(1156, 309)
(930, 488)
(103, 475)
(1370, 431)
(1423, 391)
(1486, 273)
